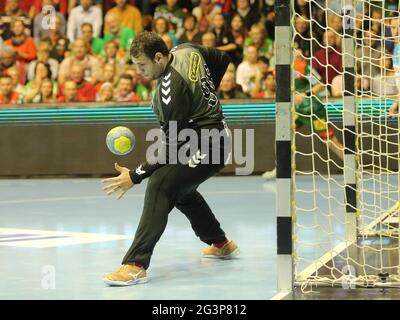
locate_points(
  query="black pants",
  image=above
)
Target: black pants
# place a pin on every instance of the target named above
(175, 185)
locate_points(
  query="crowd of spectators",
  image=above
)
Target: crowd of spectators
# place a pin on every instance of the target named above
(82, 54)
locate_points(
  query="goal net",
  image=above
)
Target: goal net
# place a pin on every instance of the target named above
(345, 144)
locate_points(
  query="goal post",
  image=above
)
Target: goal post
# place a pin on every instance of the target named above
(349, 120)
(337, 147)
(283, 43)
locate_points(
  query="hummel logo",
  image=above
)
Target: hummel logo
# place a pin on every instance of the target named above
(167, 76)
(166, 83)
(165, 92)
(165, 89)
(166, 101)
(195, 160)
(139, 170)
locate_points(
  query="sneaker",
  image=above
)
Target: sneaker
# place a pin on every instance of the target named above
(269, 175)
(228, 251)
(127, 275)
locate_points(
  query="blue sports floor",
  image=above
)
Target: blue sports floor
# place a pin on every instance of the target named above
(59, 236)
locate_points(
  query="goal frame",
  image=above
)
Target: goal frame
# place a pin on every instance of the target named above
(285, 200)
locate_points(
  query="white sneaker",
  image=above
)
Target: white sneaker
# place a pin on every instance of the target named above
(269, 175)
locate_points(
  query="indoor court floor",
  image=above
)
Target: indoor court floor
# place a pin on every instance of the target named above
(59, 236)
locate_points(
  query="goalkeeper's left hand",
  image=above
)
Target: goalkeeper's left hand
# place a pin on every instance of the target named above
(121, 183)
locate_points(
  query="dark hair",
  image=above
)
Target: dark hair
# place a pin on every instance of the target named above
(263, 59)
(224, 26)
(158, 19)
(190, 16)
(148, 43)
(238, 16)
(243, 30)
(47, 67)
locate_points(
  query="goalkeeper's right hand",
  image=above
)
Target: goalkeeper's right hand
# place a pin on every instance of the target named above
(121, 184)
(394, 109)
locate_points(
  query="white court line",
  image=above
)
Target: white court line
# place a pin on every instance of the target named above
(109, 197)
(281, 295)
(48, 239)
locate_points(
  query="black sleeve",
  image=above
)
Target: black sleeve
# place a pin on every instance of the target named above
(176, 108)
(217, 62)
(231, 39)
(182, 39)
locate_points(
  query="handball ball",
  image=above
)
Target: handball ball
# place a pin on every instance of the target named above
(120, 140)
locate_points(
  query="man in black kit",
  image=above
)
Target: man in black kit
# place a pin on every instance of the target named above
(185, 99)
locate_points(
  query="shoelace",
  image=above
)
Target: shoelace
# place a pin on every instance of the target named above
(123, 267)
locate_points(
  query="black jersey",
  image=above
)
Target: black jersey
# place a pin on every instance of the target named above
(186, 94)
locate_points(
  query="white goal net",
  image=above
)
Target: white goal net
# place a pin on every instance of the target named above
(345, 144)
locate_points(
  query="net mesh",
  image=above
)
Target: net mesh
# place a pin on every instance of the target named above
(324, 254)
